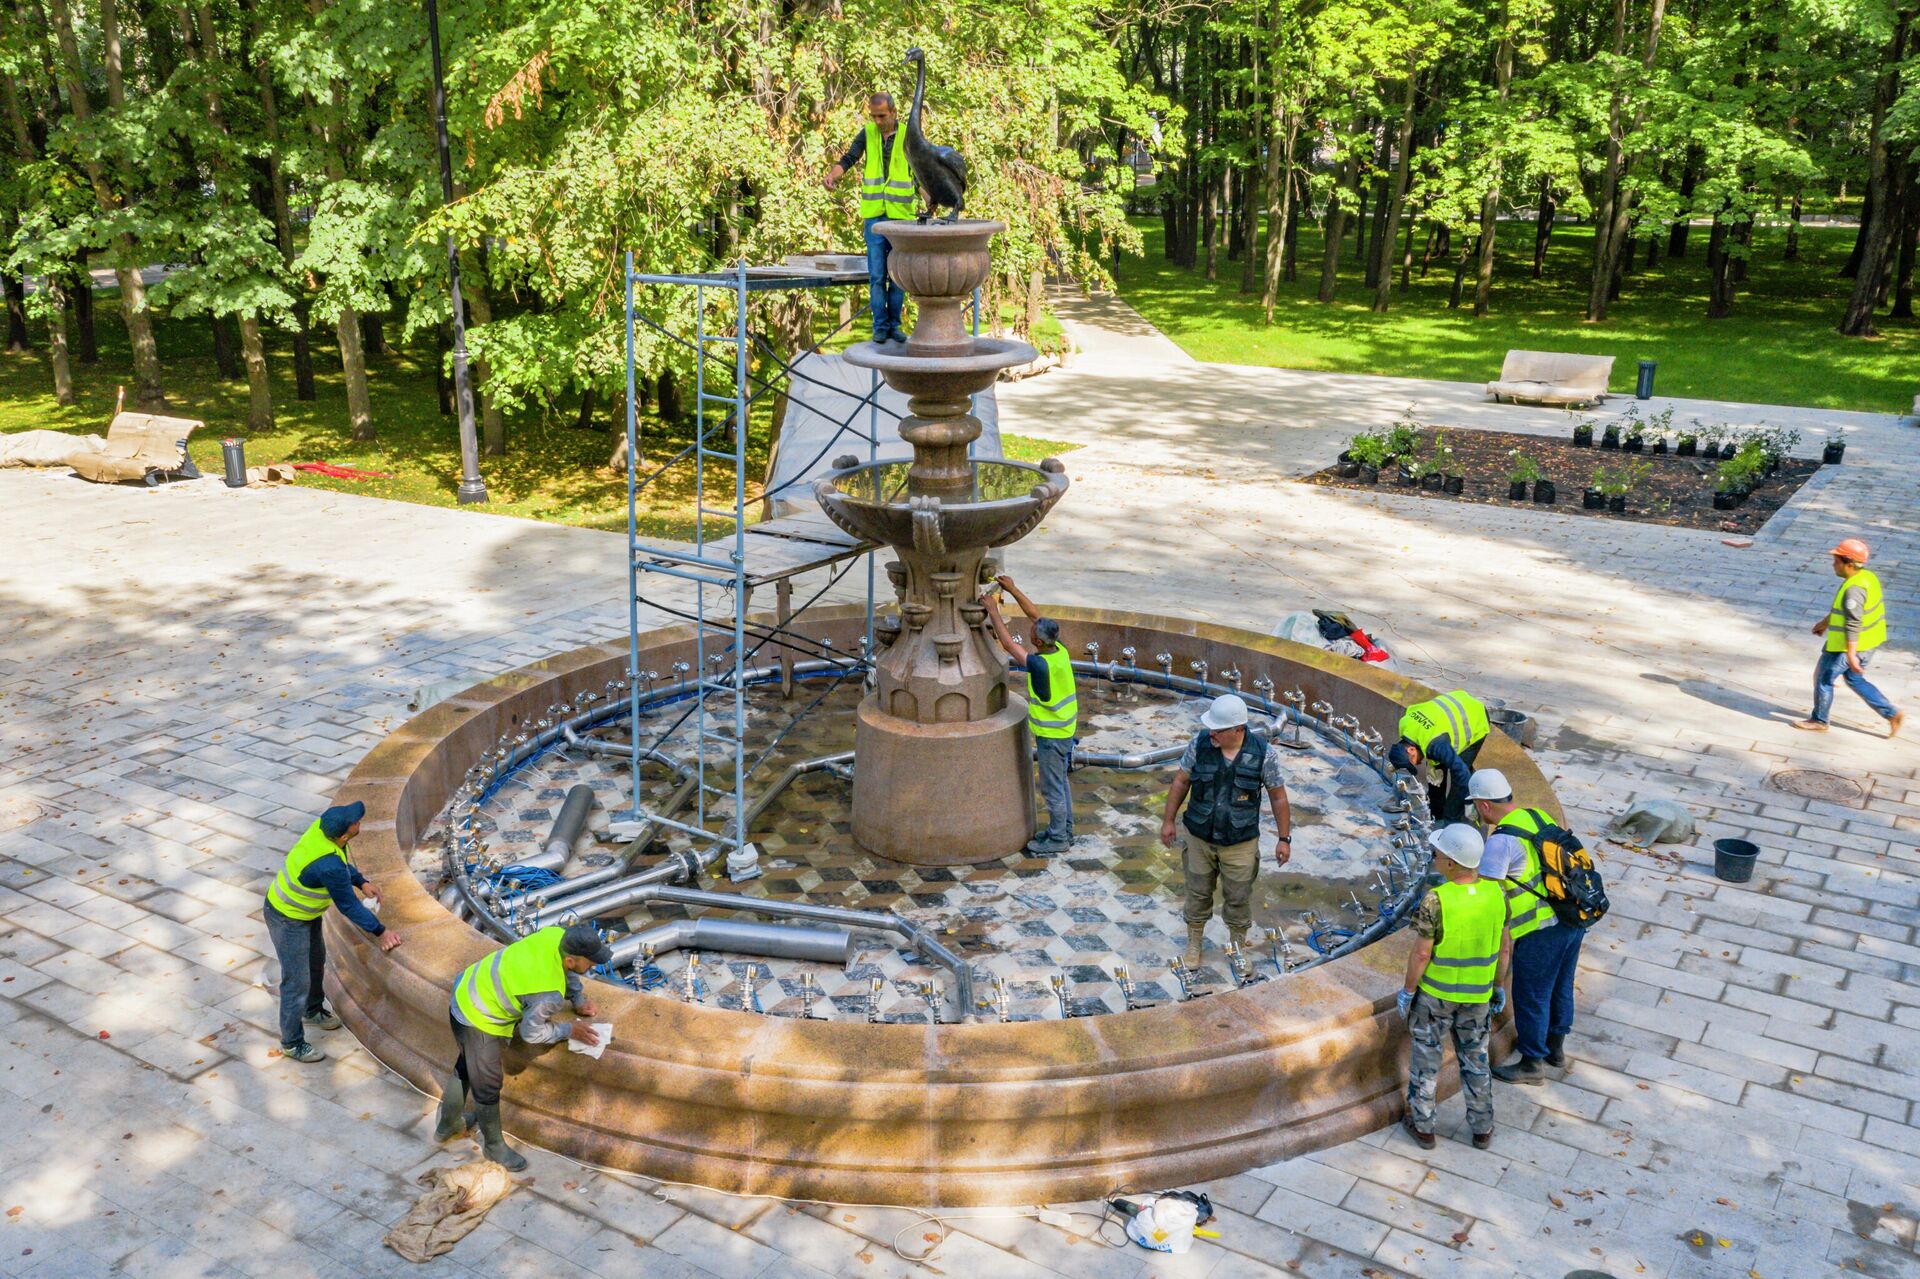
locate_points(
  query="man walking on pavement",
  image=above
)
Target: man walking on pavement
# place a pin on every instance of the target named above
(886, 191)
(319, 872)
(1444, 734)
(516, 989)
(1546, 952)
(1456, 983)
(1855, 625)
(1052, 712)
(1225, 770)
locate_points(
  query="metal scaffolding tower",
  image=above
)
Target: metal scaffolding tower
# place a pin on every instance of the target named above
(726, 567)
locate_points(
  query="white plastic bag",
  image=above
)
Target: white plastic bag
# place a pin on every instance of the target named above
(1165, 1225)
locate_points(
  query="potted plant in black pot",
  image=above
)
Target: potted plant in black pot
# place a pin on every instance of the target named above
(1658, 427)
(1688, 441)
(1369, 453)
(1731, 445)
(1403, 437)
(1583, 433)
(1710, 439)
(1610, 438)
(1594, 499)
(1835, 450)
(1622, 482)
(1544, 493)
(1734, 479)
(1521, 471)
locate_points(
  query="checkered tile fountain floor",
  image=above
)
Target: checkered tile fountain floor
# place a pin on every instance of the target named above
(1112, 902)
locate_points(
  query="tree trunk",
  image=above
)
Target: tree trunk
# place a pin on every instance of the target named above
(57, 342)
(16, 290)
(303, 387)
(259, 393)
(585, 422)
(1720, 281)
(1390, 232)
(1289, 262)
(1362, 220)
(1543, 226)
(1336, 231)
(373, 332)
(1490, 203)
(225, 359)
(1279, 191)
(1439, 245)
(1677, 233)
(353, 366)
(1851, 268)
(667, 396)
(1613, 213)
(87, 344)
(133, 295)
(1406, 255)
(1743, 236)
(1909, 242)
(1793, 230)
(1460, 273)
(1877, 233)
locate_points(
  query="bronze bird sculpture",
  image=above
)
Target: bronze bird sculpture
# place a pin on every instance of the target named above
(940, 171)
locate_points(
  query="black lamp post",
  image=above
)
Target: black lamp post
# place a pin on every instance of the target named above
(472, 488)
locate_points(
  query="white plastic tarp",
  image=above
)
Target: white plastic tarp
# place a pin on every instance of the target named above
(824, 392)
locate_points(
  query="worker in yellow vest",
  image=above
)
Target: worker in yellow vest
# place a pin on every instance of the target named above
(886, 191)
(1439, 740)
(502, 1006)
(1546, 951)
(318, 873)
(1855, 625)
(1456, 983)
(1053, 713)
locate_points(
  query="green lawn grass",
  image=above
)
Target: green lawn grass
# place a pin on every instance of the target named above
(1779, 346)
(552, 471)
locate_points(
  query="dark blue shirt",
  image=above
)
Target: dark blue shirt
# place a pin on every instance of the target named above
(339, 879)
(1039, 678)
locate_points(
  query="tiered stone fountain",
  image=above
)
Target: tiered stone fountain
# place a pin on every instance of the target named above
(942, 722)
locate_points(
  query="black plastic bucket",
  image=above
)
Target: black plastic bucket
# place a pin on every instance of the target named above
(1733, 859)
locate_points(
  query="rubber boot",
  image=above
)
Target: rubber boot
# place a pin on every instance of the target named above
(453, 1099)
(1196, 940)
(1556, 1051)
(493, 1143)
(1527, 1070)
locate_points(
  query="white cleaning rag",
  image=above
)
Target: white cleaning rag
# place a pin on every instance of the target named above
(602, 1028)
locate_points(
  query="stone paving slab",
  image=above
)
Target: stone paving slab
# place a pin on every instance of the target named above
(170, 721)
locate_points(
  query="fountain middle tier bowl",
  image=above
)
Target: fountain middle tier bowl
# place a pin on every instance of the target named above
(913, 372)
(1003, 502)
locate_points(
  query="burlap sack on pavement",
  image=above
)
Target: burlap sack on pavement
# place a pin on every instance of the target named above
(456, 1201)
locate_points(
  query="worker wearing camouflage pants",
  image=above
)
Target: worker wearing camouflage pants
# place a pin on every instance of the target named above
(1456, 982)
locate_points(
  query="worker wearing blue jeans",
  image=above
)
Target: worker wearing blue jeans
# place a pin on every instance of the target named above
(886, 192)
(1855, 625)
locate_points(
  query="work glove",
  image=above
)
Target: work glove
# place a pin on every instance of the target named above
(1499, 1001)
(1404, 1002)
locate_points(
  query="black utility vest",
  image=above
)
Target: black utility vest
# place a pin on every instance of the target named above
(1224, 805)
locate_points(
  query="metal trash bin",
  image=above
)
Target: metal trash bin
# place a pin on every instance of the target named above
(1643, 389)
(233, 456)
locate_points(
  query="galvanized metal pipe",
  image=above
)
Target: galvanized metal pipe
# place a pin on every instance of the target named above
(822, 763)
(574, 811)
(737, 937)
(605, 899)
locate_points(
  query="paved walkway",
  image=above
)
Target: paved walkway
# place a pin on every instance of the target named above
(189, 671)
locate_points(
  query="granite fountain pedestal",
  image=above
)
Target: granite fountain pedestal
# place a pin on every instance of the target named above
(941, 748)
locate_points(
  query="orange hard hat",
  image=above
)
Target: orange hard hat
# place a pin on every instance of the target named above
(1852, 548)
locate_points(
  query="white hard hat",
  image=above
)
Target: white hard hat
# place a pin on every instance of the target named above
(1489, 783)
(1227, 711)
(1460, 843)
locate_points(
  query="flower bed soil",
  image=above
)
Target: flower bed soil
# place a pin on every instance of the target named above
(1677, 491)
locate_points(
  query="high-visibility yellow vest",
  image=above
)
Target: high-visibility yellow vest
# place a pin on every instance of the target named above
(1873, 615)
(1458, 716)
(1466, 958)
(886, 183)
(291, 897)
(492, 993)
(1527, 908)
(1059, 715)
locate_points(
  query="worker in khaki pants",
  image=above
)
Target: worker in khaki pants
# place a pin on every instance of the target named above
(1224, 771)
